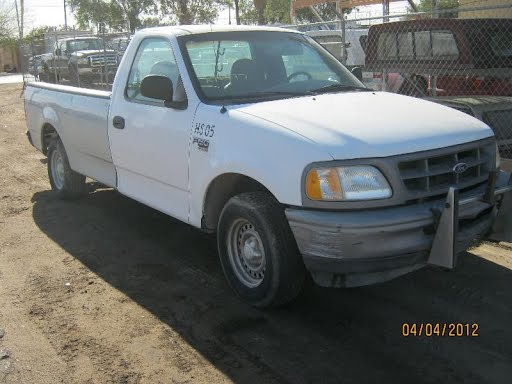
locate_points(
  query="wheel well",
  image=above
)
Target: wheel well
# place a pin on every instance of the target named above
(47, 134)
(220, 190)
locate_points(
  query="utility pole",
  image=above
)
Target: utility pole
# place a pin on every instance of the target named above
(65, 17)
(237, 13)
(18, 18)
(22, 13)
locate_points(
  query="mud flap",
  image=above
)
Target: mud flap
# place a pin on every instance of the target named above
(502, 228)
(443, 252)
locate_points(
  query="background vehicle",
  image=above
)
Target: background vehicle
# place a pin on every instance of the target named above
(466, 56)
(119, 45)
(79, 59)
(35, 65)
(495, 111)
(250, 142)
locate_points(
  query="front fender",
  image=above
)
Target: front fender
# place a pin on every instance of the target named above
(235, 142)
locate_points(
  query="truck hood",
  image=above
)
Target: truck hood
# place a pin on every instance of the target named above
(370, 124)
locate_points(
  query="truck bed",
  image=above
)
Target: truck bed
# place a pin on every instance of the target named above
(80, 117)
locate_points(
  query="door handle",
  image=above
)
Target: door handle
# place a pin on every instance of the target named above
(118, 122)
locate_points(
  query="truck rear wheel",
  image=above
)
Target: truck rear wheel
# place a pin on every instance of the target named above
(258, 252)
(65, 182)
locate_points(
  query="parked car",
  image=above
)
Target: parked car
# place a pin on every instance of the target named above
(81, 60)
(274, 151)
(119, 45)
(467, 56)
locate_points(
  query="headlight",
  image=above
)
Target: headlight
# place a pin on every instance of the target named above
(498, 158)
(360, 182)
(83, 60)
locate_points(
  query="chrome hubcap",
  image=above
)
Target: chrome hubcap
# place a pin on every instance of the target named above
(57, 169)
(246, 253)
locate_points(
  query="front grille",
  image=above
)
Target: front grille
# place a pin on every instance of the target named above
(101, 60)
(432, 173)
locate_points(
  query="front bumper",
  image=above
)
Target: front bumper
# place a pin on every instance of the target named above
(353, 248)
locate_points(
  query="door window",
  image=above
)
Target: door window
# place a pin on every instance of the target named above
(154, 57)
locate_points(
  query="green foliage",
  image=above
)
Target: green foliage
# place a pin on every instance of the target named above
(117, 15)
(248, 12)
(8, 25)
(192, 11)
(90, 13)
(278, 12)
(426, 6)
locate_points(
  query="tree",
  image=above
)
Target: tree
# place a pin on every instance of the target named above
(133, 9)
(115, 14)
(260, 6)
(427, 6)
(191, 11)
(278, 12)
(8, 26)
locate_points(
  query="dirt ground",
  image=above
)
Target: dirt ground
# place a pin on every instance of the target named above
(106, 290)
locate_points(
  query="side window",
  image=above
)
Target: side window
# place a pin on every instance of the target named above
(405, 45)
(444, 45)
(154, 57)
(422, 41)
(387, 48)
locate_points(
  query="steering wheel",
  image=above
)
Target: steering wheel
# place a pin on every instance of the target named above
(295, 74)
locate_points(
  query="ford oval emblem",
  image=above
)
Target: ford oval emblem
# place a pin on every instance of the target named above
(460, 168)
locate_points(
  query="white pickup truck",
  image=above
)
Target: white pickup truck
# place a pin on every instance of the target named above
(262, 136)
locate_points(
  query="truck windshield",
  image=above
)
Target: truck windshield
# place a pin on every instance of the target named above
(84, 45)
(258, 65)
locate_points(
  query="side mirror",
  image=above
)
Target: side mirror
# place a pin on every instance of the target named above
(160, 88)
(358, 72)
(156, 87)
(58, 52)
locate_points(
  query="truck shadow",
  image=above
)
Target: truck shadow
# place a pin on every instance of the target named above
(327, 336)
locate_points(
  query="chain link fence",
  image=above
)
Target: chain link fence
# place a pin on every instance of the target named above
(461, 58)
(76, 58)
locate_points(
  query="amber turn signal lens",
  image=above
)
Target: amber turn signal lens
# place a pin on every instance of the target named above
(323, 184)
(313, 190)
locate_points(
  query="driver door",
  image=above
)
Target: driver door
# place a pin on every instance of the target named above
(149, 141)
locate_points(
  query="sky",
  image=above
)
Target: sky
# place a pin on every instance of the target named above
(51, 12)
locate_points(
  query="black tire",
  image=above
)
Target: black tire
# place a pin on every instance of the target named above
(65, 182)
(282, 275)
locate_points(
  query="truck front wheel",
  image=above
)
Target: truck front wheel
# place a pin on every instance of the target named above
(73, 76)
(65, 182)
(258, 252)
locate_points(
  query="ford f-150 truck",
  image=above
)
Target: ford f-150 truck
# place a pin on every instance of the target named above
(80, 60)
(260, 135)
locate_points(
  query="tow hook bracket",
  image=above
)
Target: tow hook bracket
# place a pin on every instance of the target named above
(443, 252)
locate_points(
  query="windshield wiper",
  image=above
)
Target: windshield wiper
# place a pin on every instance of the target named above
(340, 87)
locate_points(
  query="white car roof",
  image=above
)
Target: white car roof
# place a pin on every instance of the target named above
(196, 29)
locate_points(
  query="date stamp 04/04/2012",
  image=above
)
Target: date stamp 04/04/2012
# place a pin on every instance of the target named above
(440, 329)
